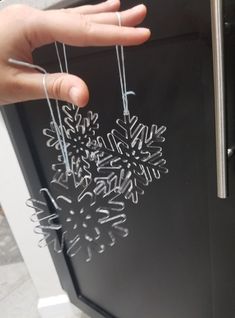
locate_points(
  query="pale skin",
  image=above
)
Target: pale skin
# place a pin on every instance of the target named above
(23, 29)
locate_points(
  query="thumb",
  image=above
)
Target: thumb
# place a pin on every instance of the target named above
(66, 87)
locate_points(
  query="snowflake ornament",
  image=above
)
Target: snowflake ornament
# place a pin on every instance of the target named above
(134, 150)
(93, 215)
(80, 142)
(79, 131)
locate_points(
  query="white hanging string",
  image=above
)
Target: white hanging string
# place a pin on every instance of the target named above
(65, 59)
(68, 168)
(65, 62)
(122, 72)
(58, 130)
(59, 58)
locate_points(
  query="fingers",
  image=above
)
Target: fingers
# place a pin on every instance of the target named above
(131, 17)
(107, 6)
(80, 30)
(60, 86)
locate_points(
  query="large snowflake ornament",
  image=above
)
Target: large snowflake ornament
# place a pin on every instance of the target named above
(92, 214)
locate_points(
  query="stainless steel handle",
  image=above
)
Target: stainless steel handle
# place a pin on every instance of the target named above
(220, 120)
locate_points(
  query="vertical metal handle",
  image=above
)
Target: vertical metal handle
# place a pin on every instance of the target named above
(219, 88)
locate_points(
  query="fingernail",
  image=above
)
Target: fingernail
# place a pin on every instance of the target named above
(74, 95)
(144, 31)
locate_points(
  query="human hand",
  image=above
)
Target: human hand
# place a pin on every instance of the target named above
(24, 29)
